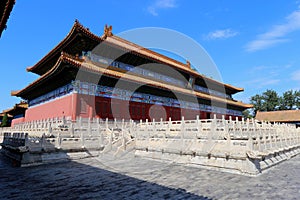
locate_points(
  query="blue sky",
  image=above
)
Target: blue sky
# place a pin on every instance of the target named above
(255, 44)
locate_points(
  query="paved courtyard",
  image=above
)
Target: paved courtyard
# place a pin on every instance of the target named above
(131, 177)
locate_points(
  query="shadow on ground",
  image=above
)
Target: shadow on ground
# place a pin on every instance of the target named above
(74, 180)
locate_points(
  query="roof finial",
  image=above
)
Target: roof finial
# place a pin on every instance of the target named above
(107, 31)
(188, 64)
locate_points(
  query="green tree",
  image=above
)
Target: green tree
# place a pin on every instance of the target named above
(288, 100)
(267, 101)
(270, 100)
(297, 99)
(4, 122)
(247, 114)
(257, 102)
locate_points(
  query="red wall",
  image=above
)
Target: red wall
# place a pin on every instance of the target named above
(88, 106)
(63, 106)
(113, 108)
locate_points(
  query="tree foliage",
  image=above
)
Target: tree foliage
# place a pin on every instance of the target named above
(247, 114)
(271, 101)
(4, 122)
(257, 102)
(287, 101)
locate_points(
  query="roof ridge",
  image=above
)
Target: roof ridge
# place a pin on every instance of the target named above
(63, 57)
(76, 26)
(143, 48)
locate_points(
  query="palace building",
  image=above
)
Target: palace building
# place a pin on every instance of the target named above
(106, 76)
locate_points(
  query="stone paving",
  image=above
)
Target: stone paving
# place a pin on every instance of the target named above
(130, 177)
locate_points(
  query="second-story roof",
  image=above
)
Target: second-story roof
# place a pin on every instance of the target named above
(78, 39)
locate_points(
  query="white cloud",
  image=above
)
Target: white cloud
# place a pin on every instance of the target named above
(221, 34)
(161, 4)
(272, 70)
(268, 76)
(296, 75)
(276, 34)
(270, 82)
(263, 82)
(261, 44)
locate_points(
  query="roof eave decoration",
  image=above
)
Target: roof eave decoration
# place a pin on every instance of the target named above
(107, 31)
(63, 58)
(188, 64)
(9, 4)
(237, 89)
(14, 92)
(77, 28)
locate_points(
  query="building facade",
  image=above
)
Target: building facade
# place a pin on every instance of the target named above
(88, 76)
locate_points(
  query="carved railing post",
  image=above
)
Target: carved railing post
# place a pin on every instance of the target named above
(99, 132)
(58, 140)
(80, 124)
(147, 131)
(270, 135)
(168, 133)
(162, 127)
(213, 128)
(72, 130)
(123, 135)
(154, 127)
(82, 139)
(89, 129)
(110, 133)
(115, 123)
(132, 131)
(106, 125)
(50, 129)
(182, 130)
(198, 128)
